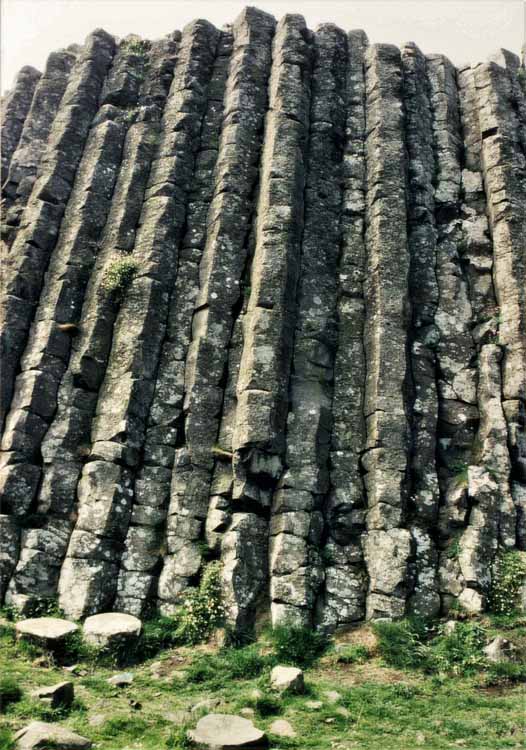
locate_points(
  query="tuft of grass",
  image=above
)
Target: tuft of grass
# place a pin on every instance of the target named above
(10, 691)
(411, 644)
(266, 704)
(459, 652)
(6, 739)
(505, 673)
(297, 645)
(229, 664)
(352, 654)
(178, 738)
(400, 642)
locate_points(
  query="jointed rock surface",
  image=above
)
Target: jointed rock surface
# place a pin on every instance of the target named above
(263, 301)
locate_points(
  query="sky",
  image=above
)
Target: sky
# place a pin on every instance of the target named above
(465, 30)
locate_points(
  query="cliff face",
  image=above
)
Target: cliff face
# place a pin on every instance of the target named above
(264, 302)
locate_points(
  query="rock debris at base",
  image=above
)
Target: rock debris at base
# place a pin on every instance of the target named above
(315, 369)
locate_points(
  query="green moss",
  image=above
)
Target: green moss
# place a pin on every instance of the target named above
(119, 275)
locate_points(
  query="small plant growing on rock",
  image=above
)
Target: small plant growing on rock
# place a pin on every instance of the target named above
(119, 275)
(136, 46)
(202, 609)
(222, 453)
(508, 574)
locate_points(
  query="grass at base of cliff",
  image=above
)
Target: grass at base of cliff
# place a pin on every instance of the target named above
(379, 706)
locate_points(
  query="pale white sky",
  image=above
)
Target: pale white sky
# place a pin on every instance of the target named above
(465, 30)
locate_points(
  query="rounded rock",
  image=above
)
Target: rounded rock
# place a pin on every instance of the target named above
(288, 679)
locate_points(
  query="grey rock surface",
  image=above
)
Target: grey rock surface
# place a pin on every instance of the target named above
(38, 734)
(227, 732)
(263, 303)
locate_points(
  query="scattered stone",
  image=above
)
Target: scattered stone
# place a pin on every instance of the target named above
(500, 649)
(122, 679)
(111, 628)
(227, 732)
(47, 631)
(450, 626)
(247, 711)
(205, 705)
(287, 679)
(96, 720)
(136, 705)
(282, 728)
(313, 705)
(59, 695)
(38, 734)
(342, 711)
(178, 717)
(73, 668)
(332, 696)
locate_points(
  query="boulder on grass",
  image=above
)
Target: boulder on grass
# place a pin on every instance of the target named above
(46, 631)
(111, 629)
(38, 734)
(226, 732)
(282, 728)
(500, 649)
(287, 679)
(56, 696)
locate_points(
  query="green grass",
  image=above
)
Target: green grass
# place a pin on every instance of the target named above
(389, 708)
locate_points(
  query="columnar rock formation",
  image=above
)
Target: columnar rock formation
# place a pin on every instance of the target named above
(264, 301)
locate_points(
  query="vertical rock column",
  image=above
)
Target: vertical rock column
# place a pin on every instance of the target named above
(42, 217)
(204, 348)
(88, 577)
(262, 388)
(142, 553)
(296, 523)
(14, 112)
(387, 544)
(66, 444)
(33, 139)
(343, 599)
(488, 491)
(501, 104)
(455, 347)
(423, 288)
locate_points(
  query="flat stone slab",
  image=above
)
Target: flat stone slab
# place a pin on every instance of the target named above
(287, 679)
(226, 732)
(38, 734)
(47, 630)
(101, 630)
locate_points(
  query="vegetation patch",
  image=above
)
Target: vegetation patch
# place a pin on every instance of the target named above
(297, 645)
(119, 275)
(508, 575)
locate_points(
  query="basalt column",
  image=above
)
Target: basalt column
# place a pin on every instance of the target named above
(388, 543)
(205, 336)
(343, 594)
(133, 96)
(105, 489)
